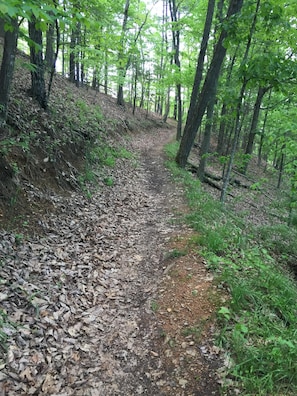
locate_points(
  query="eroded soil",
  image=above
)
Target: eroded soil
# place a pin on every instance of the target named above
(106, 306)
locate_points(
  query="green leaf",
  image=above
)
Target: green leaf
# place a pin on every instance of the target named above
(3, 8)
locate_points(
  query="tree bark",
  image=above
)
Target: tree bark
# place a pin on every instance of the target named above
(122, 68)
(7, 67)
(254, 124)
(55, 57)
(239, 106)
(72, 57)
(206, 139)
(38, 90)
(200, 64)
(49, 51)
(263, 133)
(208, 90)
(176, 49)
(224, 111)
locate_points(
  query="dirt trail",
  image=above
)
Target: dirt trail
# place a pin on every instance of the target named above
(105, 308)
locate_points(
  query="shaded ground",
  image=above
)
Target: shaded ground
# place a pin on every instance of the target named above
(105, 306)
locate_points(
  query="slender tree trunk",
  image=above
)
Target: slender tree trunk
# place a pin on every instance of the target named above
(281, 168)
(56, 53)
(77, 57)
(200, 64)
(176, 48)
(224, 110)
(49, 51)
(135, 87)
(263, 133)
(63, 54)
(2, 30)
(222, 130)
(38, 90)
(254, 124)
(148, 94)
(235, 143)
(82, 57)
(238, 110)
(167, 108)
(7, 67)
(122, 69)
(208, 90)
(179, 113)
(72, 56)
(106, 71)
(206, 139)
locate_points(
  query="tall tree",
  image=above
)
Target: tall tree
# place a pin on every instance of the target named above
(123, 65)
(209, 87)
(239, 105)
(38, 89)
(7, 66)
(175, 16)
(200, 65)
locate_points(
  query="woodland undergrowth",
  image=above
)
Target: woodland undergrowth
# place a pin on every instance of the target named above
(257, 327)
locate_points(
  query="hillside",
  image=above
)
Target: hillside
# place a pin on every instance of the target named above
(45, 151)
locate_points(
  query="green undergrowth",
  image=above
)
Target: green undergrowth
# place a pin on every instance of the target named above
(258, 323)
(99, 157)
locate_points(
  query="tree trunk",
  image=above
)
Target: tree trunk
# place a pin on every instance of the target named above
(55, 57)
(176, 48)
(239, 107)
(38, 90)
(281, 168)
(222, 130)
(63, 54)
(72, 56)
(206, 139)
(135, 87)
(49, 51)
(7, 67)
(106, 71)
(122, 69)
(200, 64)
(2, 30)
(78, 55)
(208, 90)
(254, 124)
(263, 133)
(167, 107)
(224, 111)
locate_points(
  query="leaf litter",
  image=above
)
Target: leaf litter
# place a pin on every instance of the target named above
(79, 294)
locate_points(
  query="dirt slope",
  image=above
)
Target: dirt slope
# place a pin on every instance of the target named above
(105, 308)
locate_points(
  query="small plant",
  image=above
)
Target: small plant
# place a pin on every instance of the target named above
(18, 238)
(224, 313)
(175, 253)
(154, 306)
(194, 331)
(15, 168)
(108, 181)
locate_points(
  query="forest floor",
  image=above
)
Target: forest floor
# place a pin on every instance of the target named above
(107, 305)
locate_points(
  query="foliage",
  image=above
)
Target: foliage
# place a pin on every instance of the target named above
(258, 322)
(98, 157)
